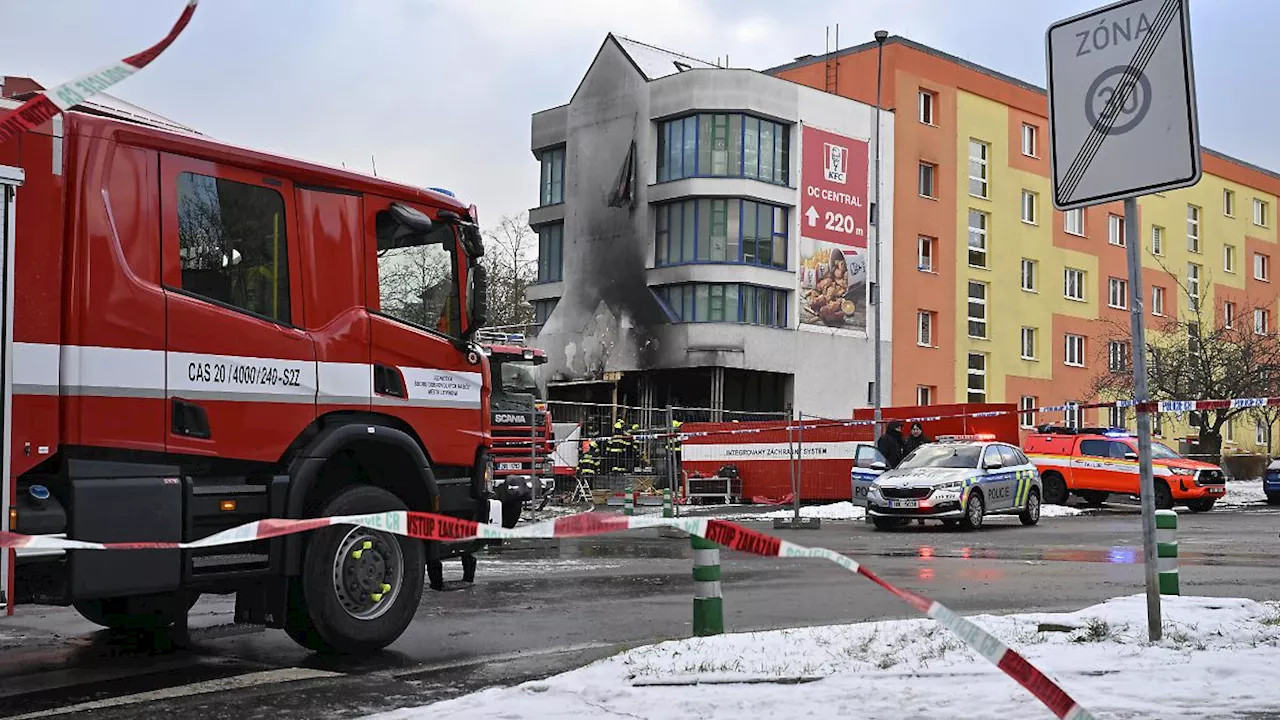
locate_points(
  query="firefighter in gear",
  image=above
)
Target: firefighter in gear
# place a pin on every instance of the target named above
(674, 451)
(619, 446)
(589, 462)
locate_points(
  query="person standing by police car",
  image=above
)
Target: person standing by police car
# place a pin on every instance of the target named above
(915, 438)
(891, 444)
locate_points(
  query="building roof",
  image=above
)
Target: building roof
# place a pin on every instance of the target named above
(655, 62)
(898, 39)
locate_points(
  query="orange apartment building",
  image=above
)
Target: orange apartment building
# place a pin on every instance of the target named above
(1008, 299)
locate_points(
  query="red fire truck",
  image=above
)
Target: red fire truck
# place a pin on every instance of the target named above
(196, 336)
(521, 454)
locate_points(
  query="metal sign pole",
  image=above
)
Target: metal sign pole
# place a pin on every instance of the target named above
(1146, 481)
(799, 476)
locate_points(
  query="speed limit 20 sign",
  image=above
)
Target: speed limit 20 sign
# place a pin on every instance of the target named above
(1122, 103)
(833, 187)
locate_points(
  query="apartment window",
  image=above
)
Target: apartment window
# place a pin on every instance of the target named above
(978, 223)
(721, 230)
(1073, 222)
(1029, 343)
(1073, 284)
(927, 101)
(1117, 293)
(1261, 432)
(1157, 240)
(1073, 352)
(1029, 275)
(924, 395)
(925, 246)
(1072, 415)
(1157, 424)
(1030, 140)
(1229, 203)
(1193, 280)
(552, 177)
(1029, 202)
(1117, 417)
(233, 248)
(1228, 314)
(1157, 301)
(1230, 434)
(1117, 356)
(979, 152)
(1229, 258)
(977, 381)
(927, 180)
(724, 145)
(551, 253)
(977, 309)
(1115, 230)
(1027, 419)
(1262, 267)
(725, 302)
(1261, 322)
(1260, 212)
(1193, 228)
(924, 328)
(542, 310)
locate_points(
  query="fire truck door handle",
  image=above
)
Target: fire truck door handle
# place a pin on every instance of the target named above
(190, 420)
(387, 381)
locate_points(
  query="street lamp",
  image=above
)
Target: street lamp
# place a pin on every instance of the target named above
(881, 36)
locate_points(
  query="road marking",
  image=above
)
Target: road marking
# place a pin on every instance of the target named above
(503, 657)
(237, 682)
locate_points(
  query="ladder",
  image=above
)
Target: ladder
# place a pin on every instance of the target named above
(582, 493)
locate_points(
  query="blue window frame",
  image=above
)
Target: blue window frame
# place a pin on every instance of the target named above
(724, 145)
(542, 310)
(551, 253)
(721, 230)
(552, 184)
(725, 302)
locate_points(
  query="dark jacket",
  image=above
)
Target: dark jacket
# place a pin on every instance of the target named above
(911, 442)
(890, 444)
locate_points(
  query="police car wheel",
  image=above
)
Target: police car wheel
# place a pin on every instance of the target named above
(974, 513)
(1273, 498)
(1031, 515)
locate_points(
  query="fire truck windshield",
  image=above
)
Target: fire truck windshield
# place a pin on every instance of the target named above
(522, 378)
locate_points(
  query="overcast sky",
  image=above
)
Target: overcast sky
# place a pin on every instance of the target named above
(440, 92)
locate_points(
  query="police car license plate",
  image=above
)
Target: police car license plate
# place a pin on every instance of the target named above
(904, 503)
(509, 466)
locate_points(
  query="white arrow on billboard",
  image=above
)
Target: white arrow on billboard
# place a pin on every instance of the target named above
(812, 215)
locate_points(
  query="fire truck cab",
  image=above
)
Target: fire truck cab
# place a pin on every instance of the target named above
(523, 440)
(196, 336)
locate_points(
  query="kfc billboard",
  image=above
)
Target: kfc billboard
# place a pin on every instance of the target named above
(834, 215)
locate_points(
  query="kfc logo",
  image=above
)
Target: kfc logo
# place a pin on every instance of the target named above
(837, 163)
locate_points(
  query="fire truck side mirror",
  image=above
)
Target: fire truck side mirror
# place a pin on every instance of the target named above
(477, 300)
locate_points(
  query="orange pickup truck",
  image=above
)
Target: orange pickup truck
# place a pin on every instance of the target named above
(1096, 462)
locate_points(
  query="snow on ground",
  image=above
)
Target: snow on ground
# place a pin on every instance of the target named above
(505, 567)
(1214, 662)
(1243, 493)
(848, 511)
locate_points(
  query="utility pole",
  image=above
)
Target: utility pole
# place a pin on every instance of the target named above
(878, 394)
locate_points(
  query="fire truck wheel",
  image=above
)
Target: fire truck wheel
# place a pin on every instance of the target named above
(1199, 506)
(360, 587)
(1164, 497)
(140, 612)
(1055, 489)
(511, 510)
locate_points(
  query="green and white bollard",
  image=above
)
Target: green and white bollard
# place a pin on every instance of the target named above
(668, 507)
(629, 503)
(708, 605)
(1167, 551)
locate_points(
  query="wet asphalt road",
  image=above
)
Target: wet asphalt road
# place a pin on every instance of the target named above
(538, 612)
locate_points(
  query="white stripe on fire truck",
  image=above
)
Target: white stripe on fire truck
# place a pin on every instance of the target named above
(92, 371)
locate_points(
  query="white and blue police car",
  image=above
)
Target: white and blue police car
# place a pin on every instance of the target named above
(958, 480)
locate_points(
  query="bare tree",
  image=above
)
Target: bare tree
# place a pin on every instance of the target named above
(511, 258)
(1192, 356)
(1269, 415)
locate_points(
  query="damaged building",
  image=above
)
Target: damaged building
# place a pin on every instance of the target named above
(705, 237)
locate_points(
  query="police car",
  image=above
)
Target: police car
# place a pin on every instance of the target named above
(958, 480)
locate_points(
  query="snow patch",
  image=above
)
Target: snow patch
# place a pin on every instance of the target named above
(1243, 493)
(1220, 651)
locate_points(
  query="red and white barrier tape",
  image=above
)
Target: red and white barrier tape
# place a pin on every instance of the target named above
(51, 103)
(427, 526)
